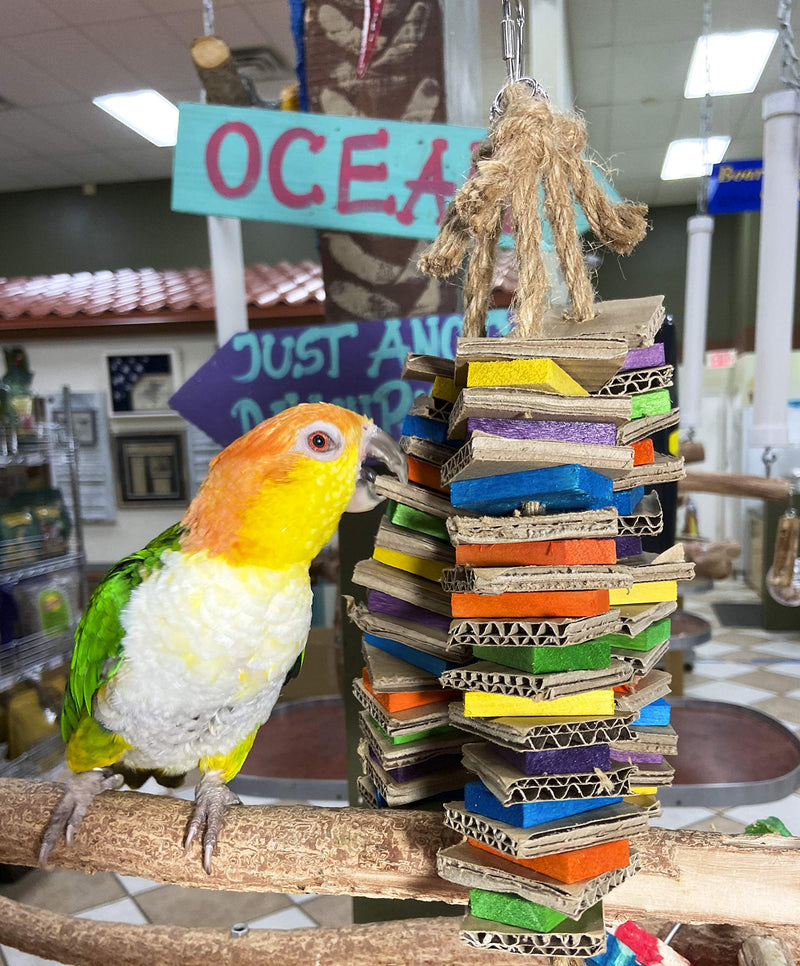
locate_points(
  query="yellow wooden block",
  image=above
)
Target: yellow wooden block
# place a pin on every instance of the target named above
(480, 704)
(643, 790)
(444, 388)
(429, 569)
(541, 374)
(649, 592)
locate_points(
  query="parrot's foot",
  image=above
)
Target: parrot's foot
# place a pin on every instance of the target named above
(79, 793)
(211, 797)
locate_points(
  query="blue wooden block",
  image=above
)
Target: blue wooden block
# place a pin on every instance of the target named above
(428, 662)
(478, 798)
(616, 954)
(625, 500)
(559, 488)
(425, 428)
(655, 713)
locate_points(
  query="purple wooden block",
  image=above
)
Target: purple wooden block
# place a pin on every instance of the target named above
(647, 358)
(553, 429)
(558, 761)
(386, 604)
(628, 546)
(636, 757)
(408, 773)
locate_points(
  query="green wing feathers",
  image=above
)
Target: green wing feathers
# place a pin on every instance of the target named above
(99, 648)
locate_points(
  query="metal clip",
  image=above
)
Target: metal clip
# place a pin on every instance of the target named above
(513, 40)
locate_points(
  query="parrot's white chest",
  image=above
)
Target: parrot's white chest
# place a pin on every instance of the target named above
(207, 648)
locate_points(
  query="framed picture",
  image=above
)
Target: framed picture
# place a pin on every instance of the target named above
(151, 470)
(84, 425)
(141, 384)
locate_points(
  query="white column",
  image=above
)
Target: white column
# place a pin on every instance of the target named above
(699, 229)
(462, 62)
(548, 51)
(777, 255)
(227, 273)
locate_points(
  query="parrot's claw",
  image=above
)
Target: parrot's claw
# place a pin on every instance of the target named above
(212, 796)
(79, 793)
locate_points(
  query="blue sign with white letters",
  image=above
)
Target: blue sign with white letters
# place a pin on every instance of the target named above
(735, 186)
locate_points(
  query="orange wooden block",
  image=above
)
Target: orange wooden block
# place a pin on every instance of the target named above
(402, 700)
(537, 553)
(574, 866)
(643, 452)
(522, 606)
(426, 474)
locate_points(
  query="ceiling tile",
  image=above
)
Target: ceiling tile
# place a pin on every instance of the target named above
(727, 116)
(272, 17)
(650, 71)
(148, 51)
(236, 27)
(27, 85)
(148, 161)
(171, 6)
(642, 125)
(639, 164)
(745, 148)
(36, 134)
(72, 58)
(592, 76)
(79, 12)
(28, 16)
(654, 22)
(42, 172)
(597, 126)
(683, 192)
(11, 150)
(590, 23)
(94, 166)
(93, 126)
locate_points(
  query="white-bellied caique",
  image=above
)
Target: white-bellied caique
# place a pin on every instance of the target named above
(184, 646)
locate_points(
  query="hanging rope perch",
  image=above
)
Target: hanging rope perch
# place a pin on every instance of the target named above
(530, 146)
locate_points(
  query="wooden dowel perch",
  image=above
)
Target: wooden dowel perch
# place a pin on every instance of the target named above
(734, 484)
(214, 64)
(687, 877)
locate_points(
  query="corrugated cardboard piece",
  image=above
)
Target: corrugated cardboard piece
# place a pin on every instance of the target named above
(638, 380)
(404, 793)
(641, 661)
(606, 824)
(465, 579)
(655, 739)
(635, 429)
(429, 639)
(555, 632)
(416, 497)
(476, 869)
(414, 590)
(423, 368)
(637, 617)
(496, 679)
(401, 723)
(635, 321)
(664, 469)
(511, 786)
(431, 408)
(544, 734)
(412, 542)
(475, 529)
(488, 403)
(392, 674)
(437, 454)
(647, 519)
(410, 753)
(651, 687)
(485, 455)
(587, 938)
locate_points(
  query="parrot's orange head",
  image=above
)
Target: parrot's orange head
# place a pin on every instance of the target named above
(276, 494)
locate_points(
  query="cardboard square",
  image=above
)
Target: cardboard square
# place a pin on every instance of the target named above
(631, 382)
(418, 367)
(414, 496)
(432, 406)
(401, 722)
(583, 938)
(400, 540)
(404, 793)
(420, 659)
(661, 739)
(663, 469)
(431, 455)
(426, 748)
(638, 694)
(636, 617)
(465, 579)
(647, 520)
(482, 676)
(642, 662)
(635, 321)
(635, 429)
(555, 632)
(580, 524)
(425, 638)
(414, 590)
(391, 674)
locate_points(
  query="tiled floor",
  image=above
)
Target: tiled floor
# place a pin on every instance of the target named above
(748, 666)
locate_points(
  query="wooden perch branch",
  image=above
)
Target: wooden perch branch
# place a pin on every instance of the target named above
(214, 64)
(687, 877)
(734, 484)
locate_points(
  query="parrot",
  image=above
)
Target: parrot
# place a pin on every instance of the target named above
(184, 646)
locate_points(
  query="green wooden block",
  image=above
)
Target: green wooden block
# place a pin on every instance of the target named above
(513, 910)
(645, 640)
(416, 735)
(650, 403)
(588, 656)
(406, 516)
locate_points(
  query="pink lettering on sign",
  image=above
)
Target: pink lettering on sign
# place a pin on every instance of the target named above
(316, 142)
(431, 181)
(252, 170)
(349, 172)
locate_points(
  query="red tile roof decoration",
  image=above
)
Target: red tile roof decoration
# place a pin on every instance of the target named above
(128, 295)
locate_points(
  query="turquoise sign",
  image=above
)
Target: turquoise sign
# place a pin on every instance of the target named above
(323, 171)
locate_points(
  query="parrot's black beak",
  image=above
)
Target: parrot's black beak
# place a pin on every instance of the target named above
(380, 454)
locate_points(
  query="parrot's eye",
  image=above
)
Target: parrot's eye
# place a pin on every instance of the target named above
(319, 442)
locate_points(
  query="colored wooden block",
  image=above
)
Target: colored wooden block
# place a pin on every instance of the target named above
(425, 428)
(482, 704)
(655, 713)
(421, 659)
(538, 552)
(646, 592)
(424, 474)
(478, 799)
(628, 546)
(419, 769)
(588, 656)
(558, 761)
(557, 430)
(653, 635)
(543, 375)
(418, 520)
(643, 452)
(424, 734)
(637, 757)
(383, 603)
(644, 790)
(444, 388)
(421, 566)
(558, 488)
(648, 357)
(402, 700)
(624, 501)
(576, 864)
(513, 910)
(525, 606)
(650, 403)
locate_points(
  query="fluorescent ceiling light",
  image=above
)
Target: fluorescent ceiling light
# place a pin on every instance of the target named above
(684, 159)
(146, 112)
(736, 62)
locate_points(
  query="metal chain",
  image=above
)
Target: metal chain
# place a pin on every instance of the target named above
(208, 17)
(706, 114)
(513, 38)
(790, 62)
